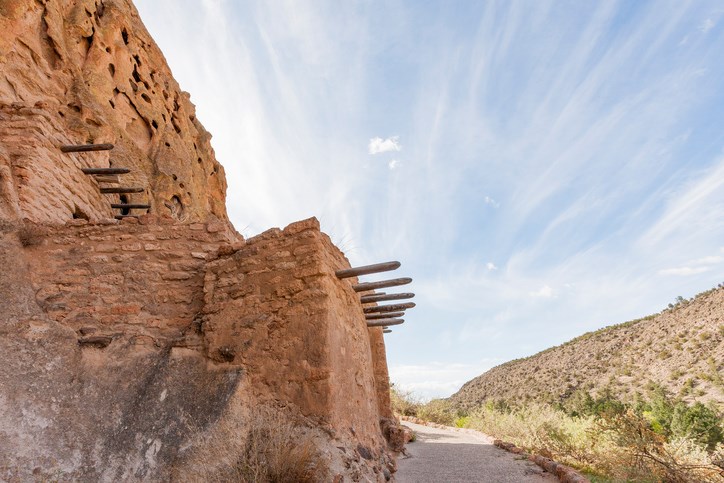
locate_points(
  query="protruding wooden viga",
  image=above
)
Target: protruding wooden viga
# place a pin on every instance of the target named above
(389, 308)
(367, 269)
(363, 287)
(366, 299)
(384, 322)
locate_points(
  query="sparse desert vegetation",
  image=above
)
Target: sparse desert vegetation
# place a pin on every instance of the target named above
(658, 438)
(638, 401)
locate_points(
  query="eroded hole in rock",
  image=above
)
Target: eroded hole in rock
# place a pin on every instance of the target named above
(87, 42)
(175, 206)
(124, 199)
(79, 214)
(146, 98)
(154, 124)
(113, 105)
(199, 160)
(112, 69)
(136, 75)
(124, 34)
(108, 49)
(134, 86)
(137, 59)
(168, 145)
(60, 113)
(174, 177)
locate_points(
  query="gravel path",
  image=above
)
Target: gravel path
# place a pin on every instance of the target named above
(452, 456)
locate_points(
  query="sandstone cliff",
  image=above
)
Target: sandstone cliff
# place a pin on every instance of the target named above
(680, 349)
(142, 349)
(73, 72)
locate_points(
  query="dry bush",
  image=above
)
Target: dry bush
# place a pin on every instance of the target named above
(437, 411)
(619, 444)
(642, 454)
(276, 451)
(403, 402)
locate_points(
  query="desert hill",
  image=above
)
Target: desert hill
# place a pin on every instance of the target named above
(680, 349)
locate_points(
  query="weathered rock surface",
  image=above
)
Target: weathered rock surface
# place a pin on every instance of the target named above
(87, 71)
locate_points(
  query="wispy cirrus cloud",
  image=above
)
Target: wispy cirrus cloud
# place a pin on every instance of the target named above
(580, 152)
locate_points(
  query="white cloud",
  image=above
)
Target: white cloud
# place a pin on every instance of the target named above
(684, 271)
(707, 25)
(491, 266)
(394, 163)
(708, 260)
(545, 292)
(379, 145)
(437, 379)
(694, 267)
(490, 201)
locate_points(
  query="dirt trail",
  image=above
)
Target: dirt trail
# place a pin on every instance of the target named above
(450, 456)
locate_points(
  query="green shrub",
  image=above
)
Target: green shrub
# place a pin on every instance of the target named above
(697, 423)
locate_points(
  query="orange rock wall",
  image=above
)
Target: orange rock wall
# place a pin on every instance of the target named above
(275, 308)
(77, 71)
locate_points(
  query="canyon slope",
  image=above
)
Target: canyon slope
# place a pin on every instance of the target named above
(680, 349)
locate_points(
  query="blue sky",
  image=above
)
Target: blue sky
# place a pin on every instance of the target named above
(541, 169)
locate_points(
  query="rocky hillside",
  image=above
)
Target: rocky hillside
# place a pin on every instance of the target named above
(680, 349)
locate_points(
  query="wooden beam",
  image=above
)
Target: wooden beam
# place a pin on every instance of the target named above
(366, 299)
(80, 148)
(386, 331)
(111, 178)
(120, 217)
(384, 316)
(105, 170)
(130, 206)
(367, 269)
(363, 287)
(384, 322)
(388, 308)
(123, 190)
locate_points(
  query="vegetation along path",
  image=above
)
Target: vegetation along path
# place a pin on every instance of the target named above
(462, 456)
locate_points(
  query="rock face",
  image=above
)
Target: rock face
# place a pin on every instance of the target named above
(141, 349)
(87, 71)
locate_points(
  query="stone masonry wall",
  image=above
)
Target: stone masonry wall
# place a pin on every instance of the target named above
(275, 307)
(129, 280)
